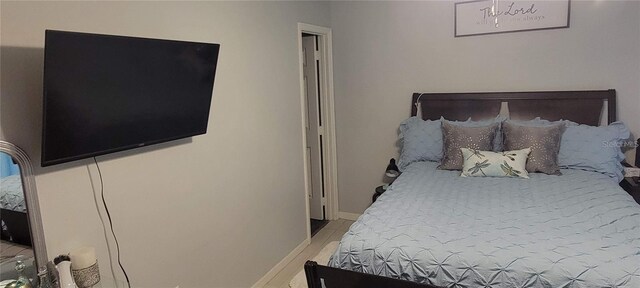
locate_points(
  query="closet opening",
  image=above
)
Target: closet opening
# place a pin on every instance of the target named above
(316, 89)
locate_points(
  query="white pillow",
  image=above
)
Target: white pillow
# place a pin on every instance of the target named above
(496, 164)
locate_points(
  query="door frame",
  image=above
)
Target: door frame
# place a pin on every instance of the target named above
(328, 116)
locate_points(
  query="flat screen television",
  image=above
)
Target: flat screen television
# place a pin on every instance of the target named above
(105, 93)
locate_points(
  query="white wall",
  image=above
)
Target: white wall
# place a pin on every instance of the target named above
(384, 51)
(186, 213)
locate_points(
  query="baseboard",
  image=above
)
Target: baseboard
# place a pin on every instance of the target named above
(272, 273)
(348, 216)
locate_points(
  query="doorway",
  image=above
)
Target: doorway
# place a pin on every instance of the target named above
(316, 89)
(314, 130)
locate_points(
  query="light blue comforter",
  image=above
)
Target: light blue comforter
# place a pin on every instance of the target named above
(576, 230)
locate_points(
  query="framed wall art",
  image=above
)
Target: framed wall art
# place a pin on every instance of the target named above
(480, 17)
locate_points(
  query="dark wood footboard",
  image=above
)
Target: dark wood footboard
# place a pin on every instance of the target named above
(339, 278)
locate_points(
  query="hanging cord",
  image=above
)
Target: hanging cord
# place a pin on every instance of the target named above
(106, 209)
(102, 221)
(417, 104)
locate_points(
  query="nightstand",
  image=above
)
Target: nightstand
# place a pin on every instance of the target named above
(379, 191)
(632, 187)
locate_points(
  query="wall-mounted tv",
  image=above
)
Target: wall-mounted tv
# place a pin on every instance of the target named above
(105, 93)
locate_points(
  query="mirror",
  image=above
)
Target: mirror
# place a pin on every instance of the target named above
(21, 235)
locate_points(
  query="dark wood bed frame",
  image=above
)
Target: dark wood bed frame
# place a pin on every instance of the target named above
(584, 107)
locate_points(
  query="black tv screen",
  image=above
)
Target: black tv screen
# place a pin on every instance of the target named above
(105, 93)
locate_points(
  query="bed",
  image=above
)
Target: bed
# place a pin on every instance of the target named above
(433, 228)
(13, 211)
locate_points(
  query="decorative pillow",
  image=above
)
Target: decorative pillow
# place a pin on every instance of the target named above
(456, 137)
(594, 148)
(497, 141)
(420, 141)
(497, 164)
(544, 142)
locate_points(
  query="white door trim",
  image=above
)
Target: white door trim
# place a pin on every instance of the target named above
(328, 114)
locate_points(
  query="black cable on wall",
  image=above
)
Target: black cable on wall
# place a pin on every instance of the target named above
(106, 209)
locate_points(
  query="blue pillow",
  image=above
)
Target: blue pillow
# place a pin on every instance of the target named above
(420, 140)
(594, 148)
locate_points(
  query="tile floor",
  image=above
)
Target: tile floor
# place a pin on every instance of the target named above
(333, 231)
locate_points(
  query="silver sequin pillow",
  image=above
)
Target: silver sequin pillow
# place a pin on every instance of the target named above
(455, 137)
(544, 143)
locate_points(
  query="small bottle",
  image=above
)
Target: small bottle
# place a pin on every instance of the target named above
(43, 279)
(23, 281)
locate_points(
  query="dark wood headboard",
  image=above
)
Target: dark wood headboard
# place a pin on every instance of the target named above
(584, 107)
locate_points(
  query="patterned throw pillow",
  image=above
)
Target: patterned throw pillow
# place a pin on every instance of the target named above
(544, 142)
(495, 164)
(456, 137)
(497, 141)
